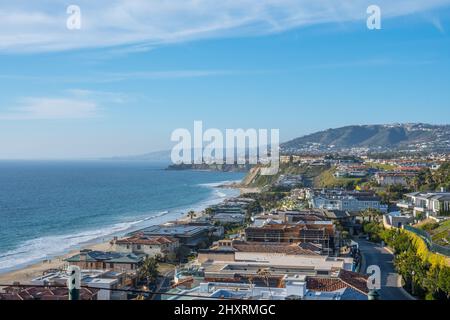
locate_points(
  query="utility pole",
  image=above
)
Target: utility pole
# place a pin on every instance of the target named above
(74, 282)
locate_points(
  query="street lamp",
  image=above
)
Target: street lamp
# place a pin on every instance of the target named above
(374, 295)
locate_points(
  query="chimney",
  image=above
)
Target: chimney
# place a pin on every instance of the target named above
(83, 255)
(296, 286)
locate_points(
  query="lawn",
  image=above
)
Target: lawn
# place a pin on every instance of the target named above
(439, 232)
(380, 166)
(441, 235)
(327, 180)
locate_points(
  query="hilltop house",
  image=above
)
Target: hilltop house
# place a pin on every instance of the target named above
(389, 178)
(428, 203)
(351, 171)
(352, 201)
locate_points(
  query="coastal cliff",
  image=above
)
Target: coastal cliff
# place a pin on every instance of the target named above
(211, 167)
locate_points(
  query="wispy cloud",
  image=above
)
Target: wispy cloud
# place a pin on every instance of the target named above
(141, 24)
(436, 22)
(166, 74)
(51, 108)
(73, 104)
(105, 77)
(99, 96)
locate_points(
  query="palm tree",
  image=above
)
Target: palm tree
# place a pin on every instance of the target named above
(265, 275)
(209, 211)
(191, 214)
(371, 214)
(149, 270)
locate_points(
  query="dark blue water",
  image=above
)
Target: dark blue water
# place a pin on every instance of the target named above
(47, 208)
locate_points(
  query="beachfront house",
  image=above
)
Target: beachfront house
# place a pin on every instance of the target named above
(189, 235)
(149, 245)
(116, 261)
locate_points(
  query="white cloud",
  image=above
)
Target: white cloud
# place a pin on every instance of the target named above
(437, 24)
(51, 108)
(167, 74)
(121, 76)
(41, 25)
(99, 96)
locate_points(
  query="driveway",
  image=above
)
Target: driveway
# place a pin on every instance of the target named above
(374, 254)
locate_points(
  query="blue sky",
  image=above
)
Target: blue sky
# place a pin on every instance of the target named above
(122, 87)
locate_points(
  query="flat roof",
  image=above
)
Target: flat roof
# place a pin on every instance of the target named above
(179, 230)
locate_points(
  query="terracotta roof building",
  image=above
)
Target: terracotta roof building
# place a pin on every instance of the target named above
(318, 233)
(345, 279)
(42, 293)
(117, 261)
(148, 245)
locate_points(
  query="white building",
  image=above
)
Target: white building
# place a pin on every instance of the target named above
(428, 203)
(104, 280)
(149, 245)
(344, 285)
(352, 201)
(394, 178)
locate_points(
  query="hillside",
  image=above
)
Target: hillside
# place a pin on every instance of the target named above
(396, 137)
(211, 167)
(254, 179)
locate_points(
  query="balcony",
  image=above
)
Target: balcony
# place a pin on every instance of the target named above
(404, 204)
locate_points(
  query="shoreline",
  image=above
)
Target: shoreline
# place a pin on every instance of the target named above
(25, 273)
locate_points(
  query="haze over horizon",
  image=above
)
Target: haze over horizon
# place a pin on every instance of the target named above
(124, 82)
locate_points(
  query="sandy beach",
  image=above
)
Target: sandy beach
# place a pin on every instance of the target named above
(26, 274)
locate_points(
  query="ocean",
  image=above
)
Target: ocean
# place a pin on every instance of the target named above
(50, 207)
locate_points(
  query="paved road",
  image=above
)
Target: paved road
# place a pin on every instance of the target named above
(164, 284)
(374, 254)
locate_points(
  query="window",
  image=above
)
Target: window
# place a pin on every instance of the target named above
(111, 265)
(322, 272)
(139, 247)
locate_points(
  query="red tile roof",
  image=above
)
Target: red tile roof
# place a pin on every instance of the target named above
(355, 280)
(41, 293)
(346, 279)
(290, 249)
(146, 240)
